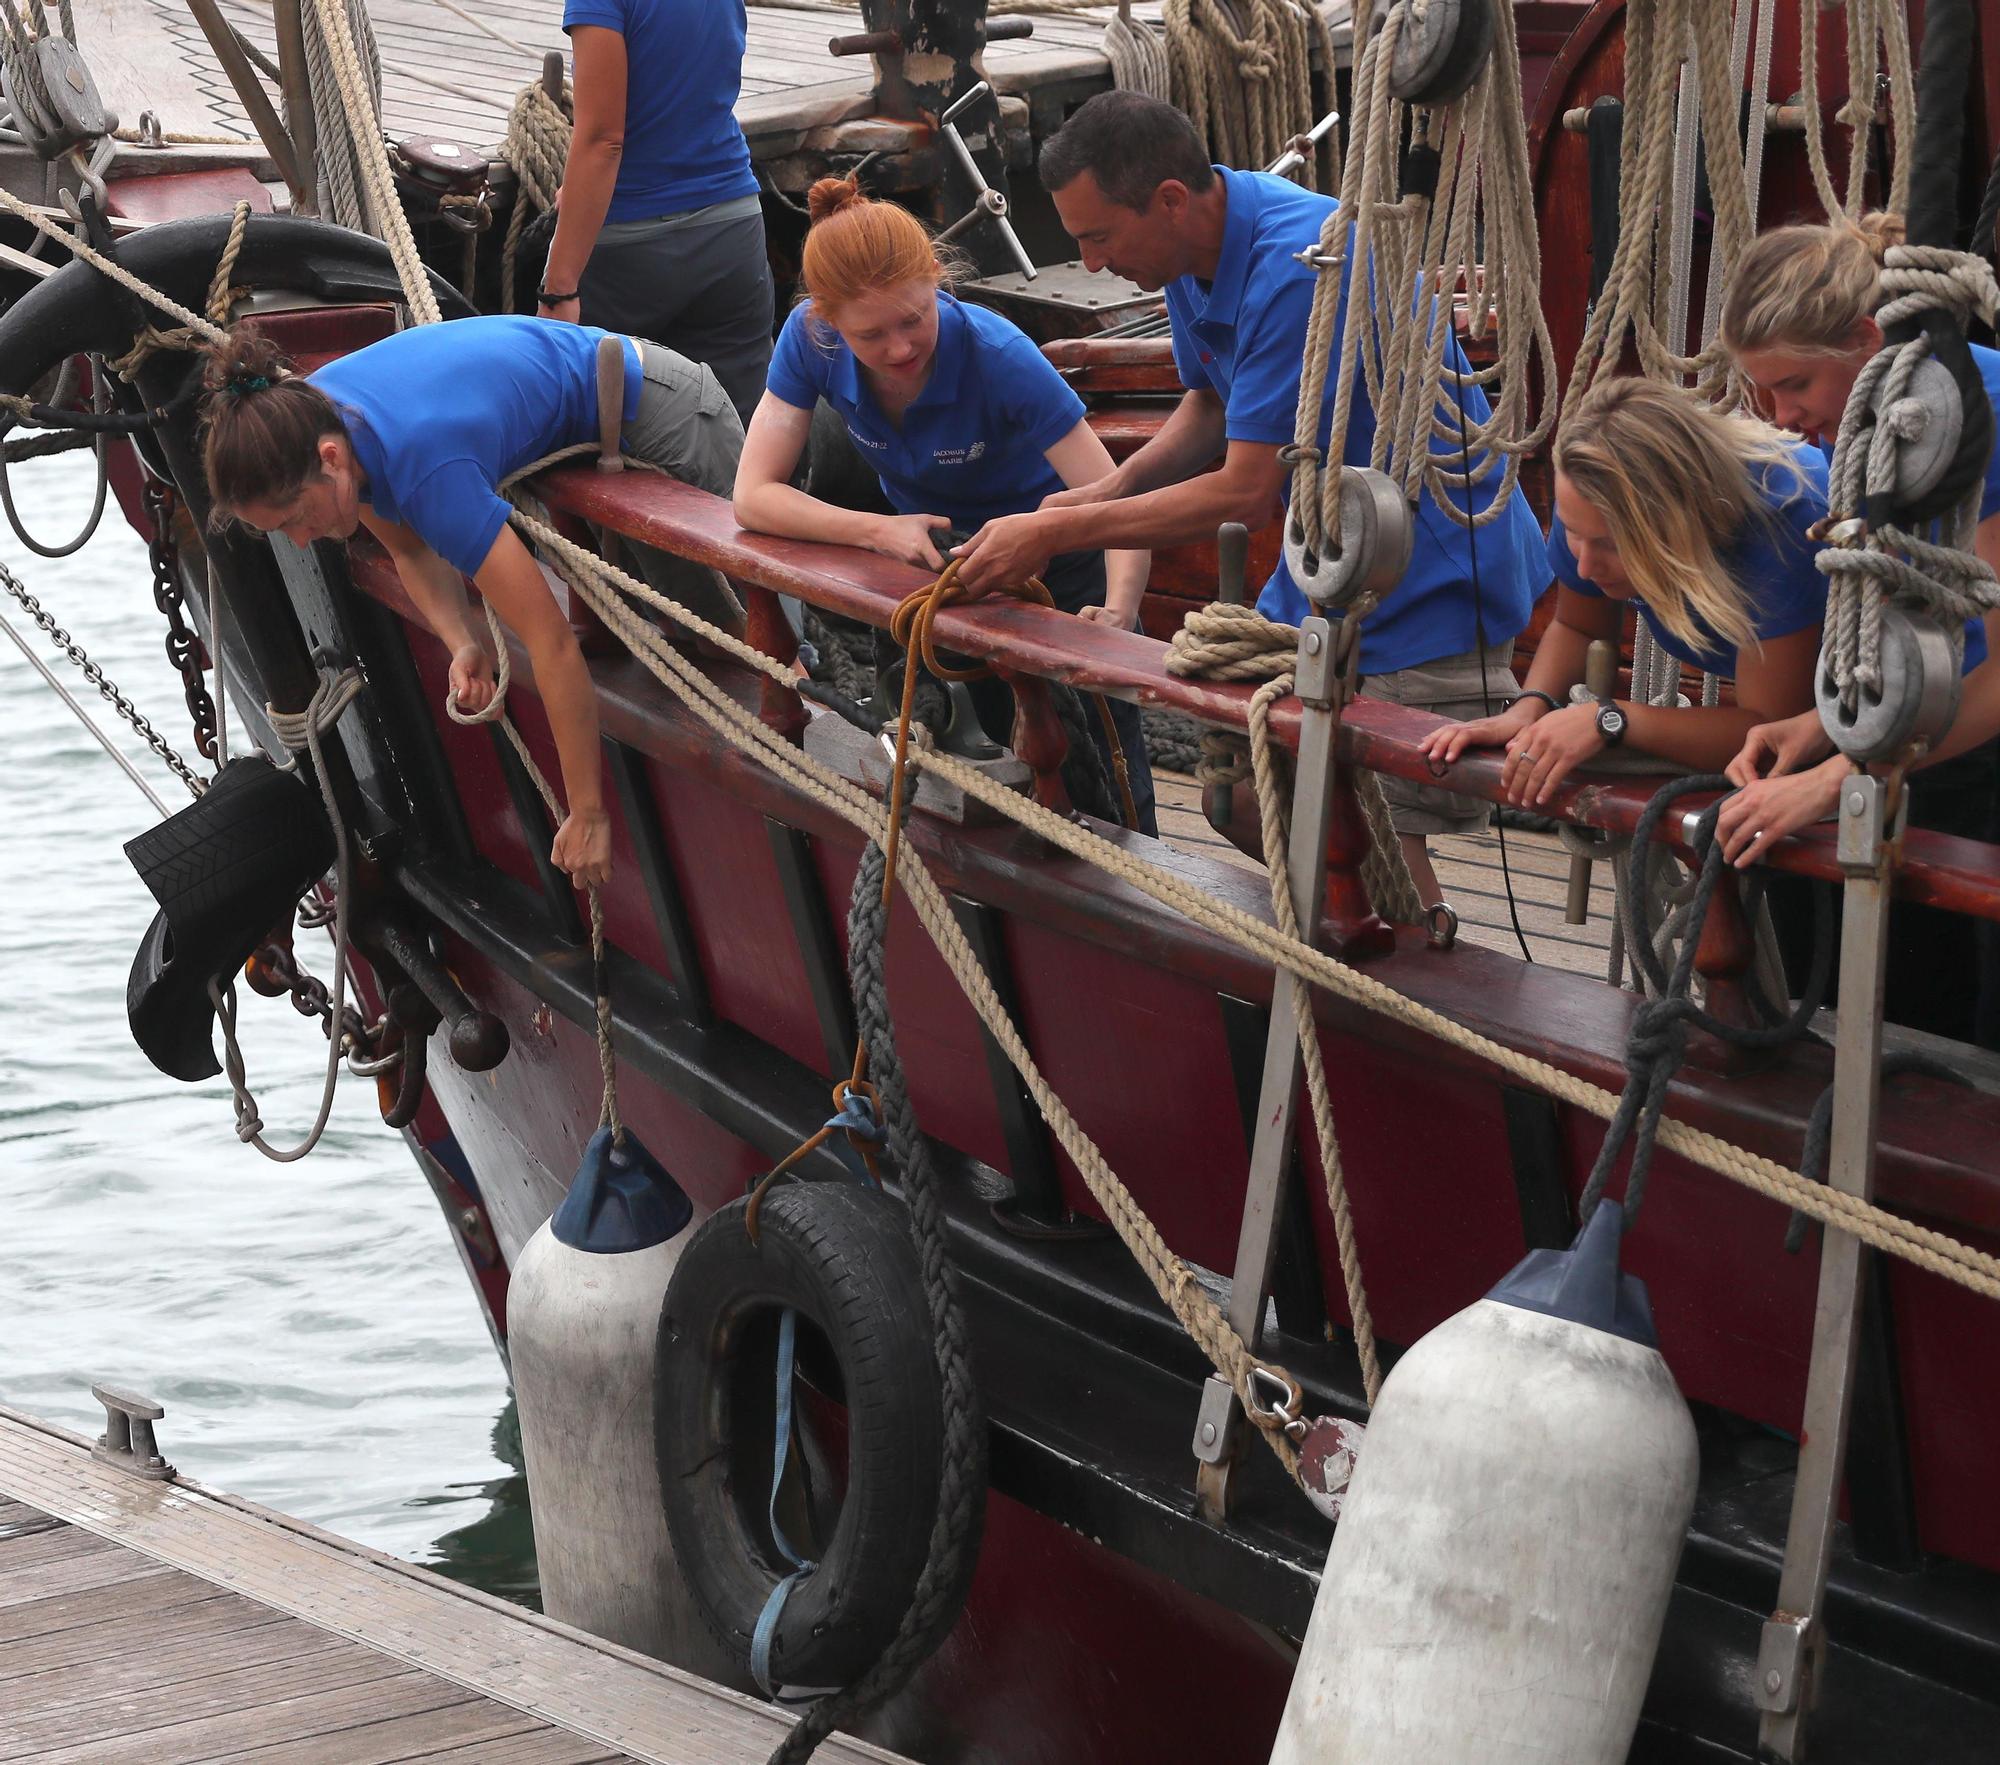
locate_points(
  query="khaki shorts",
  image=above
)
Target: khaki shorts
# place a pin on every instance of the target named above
(1462, 687)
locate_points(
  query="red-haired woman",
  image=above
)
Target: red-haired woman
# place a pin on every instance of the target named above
(954, 408)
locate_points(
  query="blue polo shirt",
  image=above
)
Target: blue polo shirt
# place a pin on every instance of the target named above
(438, 415)
(1771, 561)
(683, 69)
(1243, 335)
(973, 444)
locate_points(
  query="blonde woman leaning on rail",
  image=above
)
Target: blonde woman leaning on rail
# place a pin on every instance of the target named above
(1699, 519)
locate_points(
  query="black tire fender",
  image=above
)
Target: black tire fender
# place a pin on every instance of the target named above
(842, 1258)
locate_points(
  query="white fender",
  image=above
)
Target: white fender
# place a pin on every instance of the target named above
(1500, 1574)
(582, 1328)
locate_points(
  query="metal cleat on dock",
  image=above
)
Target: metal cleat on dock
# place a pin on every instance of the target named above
(127, 1440)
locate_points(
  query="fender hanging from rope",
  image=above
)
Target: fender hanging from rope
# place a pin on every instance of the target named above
(840, 1257)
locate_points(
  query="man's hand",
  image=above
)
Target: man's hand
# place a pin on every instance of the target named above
(1112, 616)
(1752, 821)
(471, 676)
(1541, 756)
(1004, 553)
(583, 847)
(1775, 748)
(907, 538)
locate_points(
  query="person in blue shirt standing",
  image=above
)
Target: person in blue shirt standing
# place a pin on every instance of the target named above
(1133, 187)
(411, 438)
(958, 413)
(660, 231)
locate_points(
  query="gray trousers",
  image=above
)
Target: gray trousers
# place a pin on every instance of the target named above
(686, 425)
(697, 282)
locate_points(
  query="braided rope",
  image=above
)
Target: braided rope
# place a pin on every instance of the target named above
(536, 146)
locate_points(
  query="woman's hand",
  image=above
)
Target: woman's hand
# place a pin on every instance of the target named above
(583, 847)
(471, 676)
(570, 311)
(1541, 756)
(1112, 616)
(1444, 745)
(907, 538)
(1766, 810)
(1771, 749)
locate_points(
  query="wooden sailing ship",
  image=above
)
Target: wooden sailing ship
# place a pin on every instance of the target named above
(1107, 1618)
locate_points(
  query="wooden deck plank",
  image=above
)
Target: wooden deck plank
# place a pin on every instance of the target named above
(527, 1749)
(97, 1568)
(320, 1726)
(256, 1687)
(472, 1727)
(51, 1544)
(157, 1590)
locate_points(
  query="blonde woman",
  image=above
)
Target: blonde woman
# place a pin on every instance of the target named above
(1700, 520)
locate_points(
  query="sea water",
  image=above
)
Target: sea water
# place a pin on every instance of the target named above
(307, 1326)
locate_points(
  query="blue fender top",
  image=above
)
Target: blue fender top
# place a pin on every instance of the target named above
(621, 1199)
(1584, 1283)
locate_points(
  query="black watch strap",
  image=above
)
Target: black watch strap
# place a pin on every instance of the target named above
(545, 298)
(1535, 692)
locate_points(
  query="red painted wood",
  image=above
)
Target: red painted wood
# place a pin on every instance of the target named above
(175, 196)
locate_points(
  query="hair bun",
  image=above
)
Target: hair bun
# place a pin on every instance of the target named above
(245, 361)
(1880, 229)
(830, 195)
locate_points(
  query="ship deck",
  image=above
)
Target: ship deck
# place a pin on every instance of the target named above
(453, 71)
(165, 1623)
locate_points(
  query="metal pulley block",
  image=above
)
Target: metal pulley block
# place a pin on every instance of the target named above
(73, 114)
(446, 177)
(1440, 50)
(1930, 421)
(1916, 701)
(1377, 531)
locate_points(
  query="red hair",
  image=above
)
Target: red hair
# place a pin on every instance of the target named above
(858, 246)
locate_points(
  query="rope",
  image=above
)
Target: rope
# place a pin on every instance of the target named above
(536, 145)
(221, 298)
(1226, 642)
(495, 711)
(1139, 56)
(301, 731)
(939, 1595)
(1947, 581)
(1456, 211)
(1242, 71)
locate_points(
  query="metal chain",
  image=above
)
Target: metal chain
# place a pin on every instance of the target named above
(95, 675)
(183, 644)
(278, 973)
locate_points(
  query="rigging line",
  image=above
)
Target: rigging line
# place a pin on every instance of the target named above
(104, 741)
(1479, 638)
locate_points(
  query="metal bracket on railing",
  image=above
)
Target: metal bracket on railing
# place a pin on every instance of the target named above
(1218, 1434)
(127, 1440)
(1872, 811)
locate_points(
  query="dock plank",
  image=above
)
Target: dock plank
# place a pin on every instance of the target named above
(239, 1688)
(96, 1568)
(148, 1588)
(324, 1726)
(463, 1675)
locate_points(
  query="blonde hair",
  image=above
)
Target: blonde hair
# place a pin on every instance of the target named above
(1677, 481)
(1804, 289)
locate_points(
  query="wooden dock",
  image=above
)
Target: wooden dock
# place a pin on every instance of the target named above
(162, 1623)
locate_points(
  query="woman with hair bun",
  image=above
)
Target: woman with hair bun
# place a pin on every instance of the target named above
(957, 412)
(412, 437)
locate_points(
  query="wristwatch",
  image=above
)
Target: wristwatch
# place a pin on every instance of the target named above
(1610, 723)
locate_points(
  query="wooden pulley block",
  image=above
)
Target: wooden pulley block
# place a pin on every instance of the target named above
(1917, 698)
(1377, 531)
(1441, 49)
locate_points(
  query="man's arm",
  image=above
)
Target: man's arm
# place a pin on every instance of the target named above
(1187, 442)
(1246, 487)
